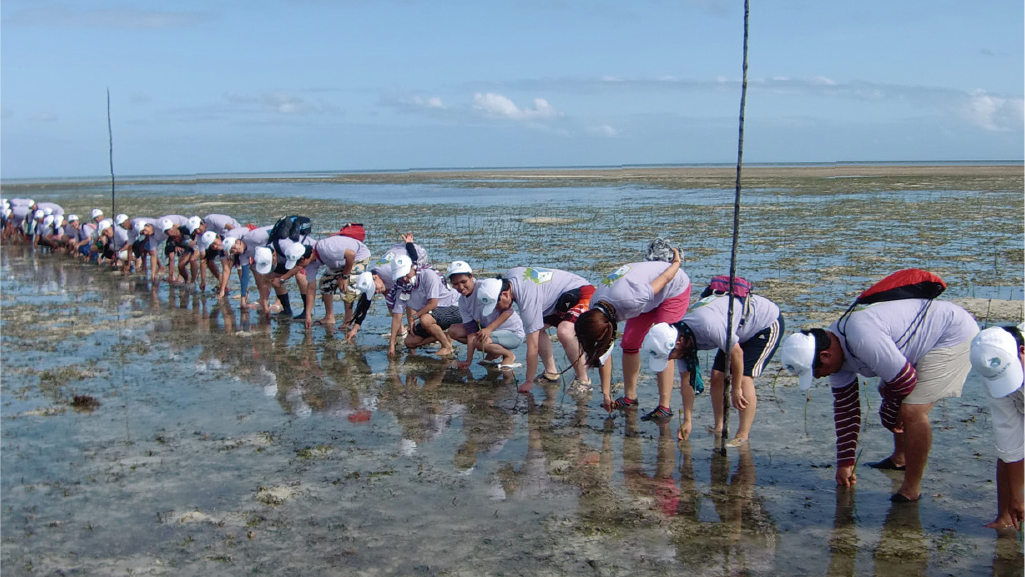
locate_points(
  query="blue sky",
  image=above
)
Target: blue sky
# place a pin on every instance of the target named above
(310, 85)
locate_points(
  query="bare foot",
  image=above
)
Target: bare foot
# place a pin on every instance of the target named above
(326, 321)
(445, 352)
(1002, 522)
(684, 433)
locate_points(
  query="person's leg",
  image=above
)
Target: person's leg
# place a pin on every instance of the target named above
(687, 392)
(430, 324)
(631, 373)
(495, 350)
(718, 383)
(566, 332)
(665, 385)
(917, 440)
(457, 332)
(329, 308)
(546, 352)
(747, 414)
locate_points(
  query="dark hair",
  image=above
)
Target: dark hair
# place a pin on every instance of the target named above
(596, 331)
(307, 252)
(1016, 333)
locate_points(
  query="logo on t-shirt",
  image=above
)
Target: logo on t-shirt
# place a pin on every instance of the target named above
(616, 275)
(538, 275)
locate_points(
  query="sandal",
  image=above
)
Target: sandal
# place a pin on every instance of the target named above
(736, 442)
(659, 415)
(624, 403)
(543, 377)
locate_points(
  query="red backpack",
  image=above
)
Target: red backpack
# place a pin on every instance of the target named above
(910, 283)
(354, 230)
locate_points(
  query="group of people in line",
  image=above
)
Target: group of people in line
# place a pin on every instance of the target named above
(921, 349)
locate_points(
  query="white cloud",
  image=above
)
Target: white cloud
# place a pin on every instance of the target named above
(280, 103)
(125, 18)
(604, 130)
(995, 112)
(496, 105)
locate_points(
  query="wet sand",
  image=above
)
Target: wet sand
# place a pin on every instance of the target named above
(224, 444)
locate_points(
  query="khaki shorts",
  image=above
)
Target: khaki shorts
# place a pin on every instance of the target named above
(941, 374)
(330, 281)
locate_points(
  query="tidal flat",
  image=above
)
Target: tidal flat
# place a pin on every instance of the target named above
(222, 443)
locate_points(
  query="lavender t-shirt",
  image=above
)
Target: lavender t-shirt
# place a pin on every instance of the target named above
(219, 223)
(536, 291)
(707, 319)
(628, 288)
(331, 253)
(429, 286)
(472, 315)
(870, 337)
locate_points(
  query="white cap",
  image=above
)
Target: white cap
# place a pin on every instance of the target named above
(104, 225)
(459, 267)
(120, 219)
(166, 225)
(47, 211)
(797, 353)
(72, 217)
(365, 284)
(658, 344)
(194, 222)
(48, 220)
(995, 357)
(95, 213)
(207, 239)
(139, 225)
(263, 260)
(227, 243)
(401, 266)
(293, 253)
(38, 214)
(487, 294)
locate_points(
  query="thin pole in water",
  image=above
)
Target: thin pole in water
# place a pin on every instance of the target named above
(733, 252)
(110, 136)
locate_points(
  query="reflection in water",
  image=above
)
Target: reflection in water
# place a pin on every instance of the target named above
(843, 543)
(744, 540)
(902, 547)
(1008, 560)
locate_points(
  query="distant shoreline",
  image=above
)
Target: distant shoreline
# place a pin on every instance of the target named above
(597, 175)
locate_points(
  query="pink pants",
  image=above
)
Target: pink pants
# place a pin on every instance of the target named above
(671, 310)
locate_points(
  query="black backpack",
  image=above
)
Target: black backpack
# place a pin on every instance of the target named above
(292, 227)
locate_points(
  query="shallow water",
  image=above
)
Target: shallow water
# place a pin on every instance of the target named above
(228, 445)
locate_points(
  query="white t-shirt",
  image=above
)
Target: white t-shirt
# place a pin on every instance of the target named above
(869, 336)
(628, 288)
(707, 319)
(1008, 415)
(428, 286)
(536, 291)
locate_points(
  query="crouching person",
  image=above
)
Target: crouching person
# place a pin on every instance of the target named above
(434, 306)
(497, 334)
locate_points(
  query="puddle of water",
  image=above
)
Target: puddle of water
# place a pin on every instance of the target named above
(224, 444)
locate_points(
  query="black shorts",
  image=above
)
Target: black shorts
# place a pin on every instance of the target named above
(758, 350)
(445, 316)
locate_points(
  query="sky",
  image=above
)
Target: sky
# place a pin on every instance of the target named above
(254, 86)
